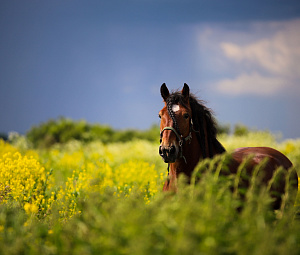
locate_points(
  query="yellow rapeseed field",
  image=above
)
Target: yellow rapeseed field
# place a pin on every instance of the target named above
(60, 176)
(73, 172)
(95, 198)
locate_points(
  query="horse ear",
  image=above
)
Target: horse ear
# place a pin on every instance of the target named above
(185, 91)
(164, 92)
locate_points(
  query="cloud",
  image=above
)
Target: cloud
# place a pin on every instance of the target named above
(260, 59)
(253, 84)
(278, 55)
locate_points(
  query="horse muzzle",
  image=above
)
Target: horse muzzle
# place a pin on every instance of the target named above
(168, 154)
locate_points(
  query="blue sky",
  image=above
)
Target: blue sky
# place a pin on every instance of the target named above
(104, 61)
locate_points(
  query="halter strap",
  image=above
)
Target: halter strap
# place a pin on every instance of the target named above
(173, 129)
(180, 138)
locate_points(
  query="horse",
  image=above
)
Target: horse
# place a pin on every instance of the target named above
(188, 134)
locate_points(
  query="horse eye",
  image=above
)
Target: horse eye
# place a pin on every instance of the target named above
(159, 116)
(186, 116)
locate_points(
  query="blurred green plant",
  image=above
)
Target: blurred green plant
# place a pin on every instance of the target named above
(240, 130)
(89, 190)
(3, 136)
(97, 198)
(64, 130)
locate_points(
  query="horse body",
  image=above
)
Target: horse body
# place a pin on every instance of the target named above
(275, 157)
(188, 134)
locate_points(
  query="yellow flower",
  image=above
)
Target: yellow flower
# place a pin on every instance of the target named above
(30, 208)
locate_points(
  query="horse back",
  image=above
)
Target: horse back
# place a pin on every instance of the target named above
(275, 159)
(260, 153)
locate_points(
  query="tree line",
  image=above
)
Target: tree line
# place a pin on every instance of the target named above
(62, 130)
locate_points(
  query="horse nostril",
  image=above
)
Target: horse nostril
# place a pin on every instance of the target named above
(160, 151)
(172, 149)
(167, 153)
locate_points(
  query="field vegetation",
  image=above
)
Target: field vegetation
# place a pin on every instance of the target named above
(83, 194)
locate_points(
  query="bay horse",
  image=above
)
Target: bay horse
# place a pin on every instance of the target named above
(188, 134)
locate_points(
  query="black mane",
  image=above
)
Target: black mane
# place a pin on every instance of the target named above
(200, 113)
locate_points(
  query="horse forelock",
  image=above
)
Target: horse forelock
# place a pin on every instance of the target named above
(172, 115)
(173, 99)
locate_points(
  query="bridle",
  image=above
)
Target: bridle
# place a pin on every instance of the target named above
(180, 138)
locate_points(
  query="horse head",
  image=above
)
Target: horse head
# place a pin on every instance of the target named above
(176, 123)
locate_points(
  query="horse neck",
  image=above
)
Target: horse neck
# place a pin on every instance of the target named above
(191, 152)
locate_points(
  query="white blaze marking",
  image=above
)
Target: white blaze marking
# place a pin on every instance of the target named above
(175, 108)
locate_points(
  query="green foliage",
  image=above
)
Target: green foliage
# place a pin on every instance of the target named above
(106, 198)
(240, 130)
(63, 130)
(199, 219)
(3, 136)
(223, 128)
